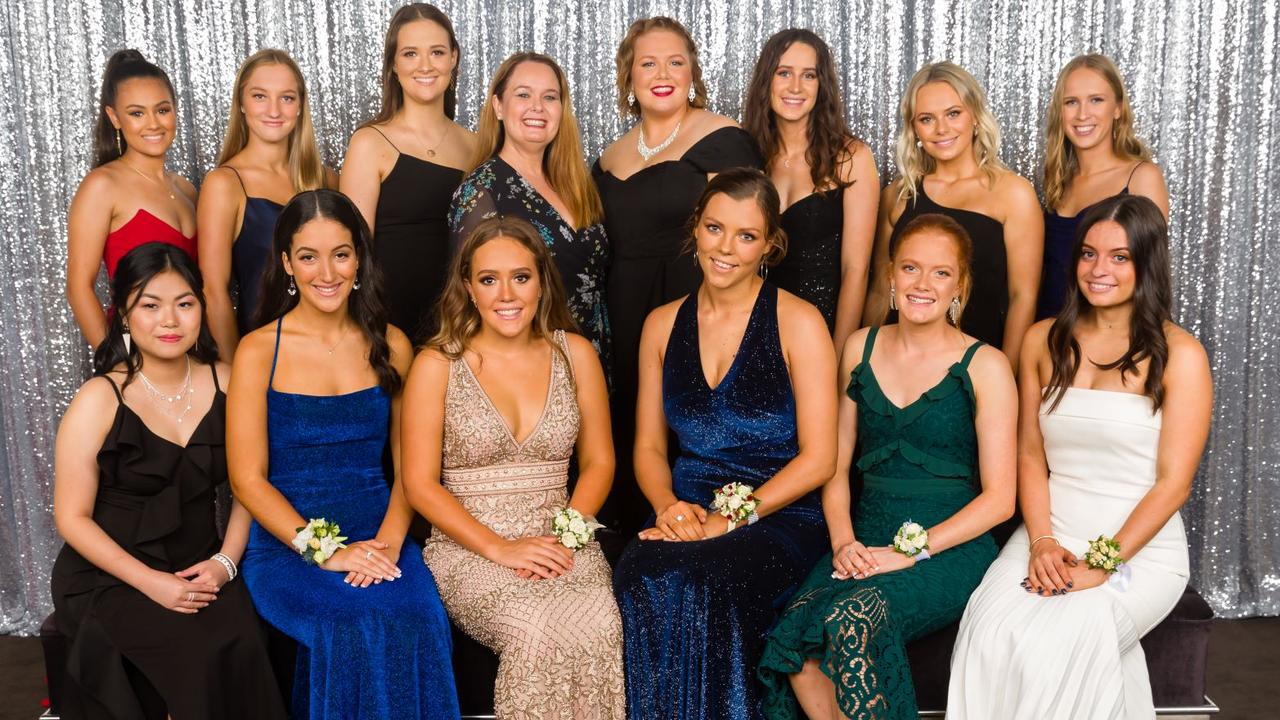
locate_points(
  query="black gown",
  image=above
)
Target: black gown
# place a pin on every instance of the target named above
(811, 268)
(156, 500)
(411, 240)
(646, 219)
(988, 305)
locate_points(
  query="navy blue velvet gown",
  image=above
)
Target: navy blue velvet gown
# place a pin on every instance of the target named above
(377, 652)
(695, 614)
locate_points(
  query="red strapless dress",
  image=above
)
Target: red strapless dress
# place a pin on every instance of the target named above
(143, 227)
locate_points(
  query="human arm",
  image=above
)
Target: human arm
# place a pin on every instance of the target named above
(368, 160)
(395, 522)
(1024, 249)
(218, 217)
(83, 429)
(88, 223)
(876, 306)
(849, 558)
(860, 202)
(422, 433)
(595, 440)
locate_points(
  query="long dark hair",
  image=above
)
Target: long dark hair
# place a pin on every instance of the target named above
(123, 65)
(1148, 236)
(741, 183)
(134, 271)
(365, 306)
(829, 137)
(392, 93)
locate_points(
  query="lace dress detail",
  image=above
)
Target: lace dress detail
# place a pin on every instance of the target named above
(559, 641)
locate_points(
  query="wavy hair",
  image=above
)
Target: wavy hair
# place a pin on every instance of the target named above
(627, 54)
(1148, 235)
(123, 65)
(1060, 161)
(947, 226)
(135, 270)
(365, 306)
(744, 183)
(913, 162)
(562, 161)
(828, 135)
(459, 318)
(306, 170)
(392, 93)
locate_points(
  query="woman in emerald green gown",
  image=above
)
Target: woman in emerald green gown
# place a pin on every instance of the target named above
(839, 649)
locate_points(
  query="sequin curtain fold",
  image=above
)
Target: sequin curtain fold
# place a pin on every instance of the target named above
(1202, 75)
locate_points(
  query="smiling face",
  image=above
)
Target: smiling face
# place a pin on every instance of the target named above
(926, 276)
(731, 240)
(530, 106)
(942, 122)
(1089, 108)
(322, 260)
(271, 102)
(505, 286)
(424, 60)
(661, 72)
(144, 113)
(794, 89)
(164, 317)
(1105, 272)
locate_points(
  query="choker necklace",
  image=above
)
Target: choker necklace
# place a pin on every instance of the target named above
(647, 152)
(166, 403)
(167, 186)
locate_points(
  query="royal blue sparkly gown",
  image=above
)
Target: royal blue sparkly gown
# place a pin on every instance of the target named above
(695, 614)
(376, 652)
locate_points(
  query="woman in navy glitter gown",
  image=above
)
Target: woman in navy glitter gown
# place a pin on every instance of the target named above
(309, 419)
(697, 595)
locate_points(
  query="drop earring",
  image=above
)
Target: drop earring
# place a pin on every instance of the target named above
(693, 94)
(356, 285)
(695, 258)
(293, 288)
(128, 341)
(631, 98)
(893, 297)
(119, 142)
(953, 309)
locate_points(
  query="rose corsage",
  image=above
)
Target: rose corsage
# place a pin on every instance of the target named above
(912, 540)
(1104, 554)
(737, 502)
(318, 540)
(573, 529)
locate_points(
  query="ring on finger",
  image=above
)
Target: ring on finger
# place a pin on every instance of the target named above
(680, 518)
(191, 597)
(368, 554)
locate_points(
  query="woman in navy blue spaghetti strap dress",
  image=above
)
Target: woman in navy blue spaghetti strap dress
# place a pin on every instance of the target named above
(697, 594)
(308, 425)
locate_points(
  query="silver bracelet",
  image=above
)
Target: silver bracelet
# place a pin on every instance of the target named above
(226, 563)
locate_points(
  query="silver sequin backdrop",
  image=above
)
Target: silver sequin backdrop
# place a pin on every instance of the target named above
(1203, 76)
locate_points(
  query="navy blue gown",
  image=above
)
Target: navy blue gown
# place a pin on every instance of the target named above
(695, 614)
(376, 652)
(250, 253)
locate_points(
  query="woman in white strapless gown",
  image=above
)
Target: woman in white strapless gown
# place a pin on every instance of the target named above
(1105, 448)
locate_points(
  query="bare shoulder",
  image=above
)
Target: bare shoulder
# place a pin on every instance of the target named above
(709, 122)
(657, 326)
(1012, 187)
(220, 182)
(579, 346)
(796, 315)
(851, 353)
(1146, 173)
(93, 408)
(1037, 335)
(610, 155)
(369, 140)
(223, 371)
(990, 364)
(466, 135)
(430, 363)
(255, 347)
(1187, 356)
(97, 183)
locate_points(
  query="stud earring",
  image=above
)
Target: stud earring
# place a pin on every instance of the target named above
(953, 309)
(473, 300)
(631, 98)
(919, 144)
(119, 142)
(893, 297)
(293, 288)
(693, 94)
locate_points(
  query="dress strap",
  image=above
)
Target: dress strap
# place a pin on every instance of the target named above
(115, 388)
(563, 342)
(968, 354)
(384, 137)
(243, 189)
(276, 354)
(871, 341)
(213, 370)
(1130, 179)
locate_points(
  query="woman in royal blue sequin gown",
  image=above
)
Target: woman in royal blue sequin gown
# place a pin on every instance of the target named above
(308, 427)
(696, 598)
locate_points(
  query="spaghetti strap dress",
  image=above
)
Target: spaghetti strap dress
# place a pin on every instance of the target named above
(920, 463)
(376, 652)
(155, 499)
(250, 253)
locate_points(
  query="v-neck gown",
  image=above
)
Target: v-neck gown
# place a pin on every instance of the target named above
(920, 463)
(695, 614)
(559, 641)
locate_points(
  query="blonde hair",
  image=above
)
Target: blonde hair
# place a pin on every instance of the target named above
(1060, 161)
(913, 162)
(562, 161)
(627, 55)
(305, 167)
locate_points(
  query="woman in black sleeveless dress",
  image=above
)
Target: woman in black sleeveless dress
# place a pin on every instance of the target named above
(649, 181)
(144, 589)
(403, 165)
(826, 177)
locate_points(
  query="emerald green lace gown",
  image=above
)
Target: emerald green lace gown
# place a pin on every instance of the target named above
(920, 463)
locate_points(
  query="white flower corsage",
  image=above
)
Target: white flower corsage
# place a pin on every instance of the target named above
(572, 529)
(912, 540)
(1103, 554)
(737, 502)
(318, 540)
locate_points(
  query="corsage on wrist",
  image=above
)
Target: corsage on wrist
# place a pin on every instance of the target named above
(1104, 554)
(736, 502)
(912, 540)
(227, 564)
(573, 529)
(318, 540)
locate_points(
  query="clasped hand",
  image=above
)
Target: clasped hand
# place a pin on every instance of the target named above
(186, 591)
(685, 522)
(366, 562)
(1054, 570)
(857, 561)
(535, 557)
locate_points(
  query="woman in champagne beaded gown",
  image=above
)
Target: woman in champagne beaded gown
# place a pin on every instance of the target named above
(486, 458)
(1116, 403)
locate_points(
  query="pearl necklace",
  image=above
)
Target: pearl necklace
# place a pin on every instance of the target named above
(647, 152)
(167, 403)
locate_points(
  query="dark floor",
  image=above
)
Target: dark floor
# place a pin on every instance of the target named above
(1244, 671)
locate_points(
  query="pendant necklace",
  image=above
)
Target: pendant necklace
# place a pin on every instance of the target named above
(166, 403)
(167, 186)
(431, 151)
(647, 152)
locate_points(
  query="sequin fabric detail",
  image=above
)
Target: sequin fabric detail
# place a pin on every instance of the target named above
(559, 641)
